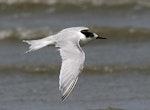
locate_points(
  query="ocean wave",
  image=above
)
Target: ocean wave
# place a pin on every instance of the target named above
(91, 69)
(22, 33)
(142, 3)
(118, 34)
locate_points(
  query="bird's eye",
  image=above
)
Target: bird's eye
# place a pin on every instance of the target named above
(87, 33)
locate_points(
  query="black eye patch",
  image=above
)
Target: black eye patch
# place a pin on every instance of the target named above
(87, 33)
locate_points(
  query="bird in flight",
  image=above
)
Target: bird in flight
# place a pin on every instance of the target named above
(69, 42)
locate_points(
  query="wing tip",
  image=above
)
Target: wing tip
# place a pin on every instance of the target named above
(65, 96)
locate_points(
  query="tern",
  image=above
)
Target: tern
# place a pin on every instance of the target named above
(69, 42)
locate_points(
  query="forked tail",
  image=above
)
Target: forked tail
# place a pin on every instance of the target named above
(38, 44)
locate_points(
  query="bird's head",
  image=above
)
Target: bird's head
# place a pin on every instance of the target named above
(88, 36)
(82, 33)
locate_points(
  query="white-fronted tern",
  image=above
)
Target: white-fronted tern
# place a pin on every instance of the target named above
(69, 42)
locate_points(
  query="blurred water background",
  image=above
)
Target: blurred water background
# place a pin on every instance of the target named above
(117, 70)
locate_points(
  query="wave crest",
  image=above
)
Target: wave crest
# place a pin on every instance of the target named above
(118, 34)
(20, 33)
(87, 69)
(142, 3)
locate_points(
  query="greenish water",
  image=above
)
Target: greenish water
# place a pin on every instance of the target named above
(94, 91)
(117, 70)
(115, 77)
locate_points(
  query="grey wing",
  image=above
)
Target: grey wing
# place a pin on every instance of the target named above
(72, 64)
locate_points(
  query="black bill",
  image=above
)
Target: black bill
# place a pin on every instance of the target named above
(101, 37)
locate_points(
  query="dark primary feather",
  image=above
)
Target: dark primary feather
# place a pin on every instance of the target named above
(69, 90)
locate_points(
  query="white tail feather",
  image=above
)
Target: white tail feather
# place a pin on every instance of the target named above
(38, 44)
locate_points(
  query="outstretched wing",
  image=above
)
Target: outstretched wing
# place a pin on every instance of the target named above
(72, 63)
